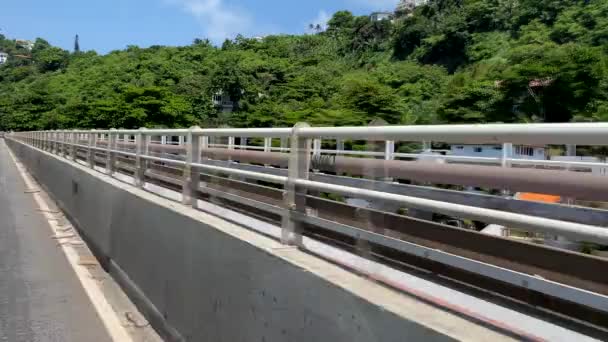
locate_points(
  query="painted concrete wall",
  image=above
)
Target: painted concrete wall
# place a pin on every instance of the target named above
(204, 280)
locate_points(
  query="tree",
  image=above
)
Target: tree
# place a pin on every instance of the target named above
(445, 61)
(361, 93)
(341, 22)
(51, 59)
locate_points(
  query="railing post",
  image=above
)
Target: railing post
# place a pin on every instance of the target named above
(60, 145)
(230, 146)
(427, 146)
(49, 141)
(74, 137)
(505, 161)
(389, 150)
(52, 141)
(110, 154)
(192, 176)
(205, 143)
(56, 142)
(267, 147)
(570, 152)
(339, 147)
(389, 154)
(91, 148)
(316, 151)
(295, 197)
(142, 144)
(66, 143)
(507, 154)
(363, 247)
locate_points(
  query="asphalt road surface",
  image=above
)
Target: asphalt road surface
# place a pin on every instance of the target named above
(41, 298)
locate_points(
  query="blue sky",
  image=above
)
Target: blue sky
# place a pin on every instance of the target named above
(106, 25)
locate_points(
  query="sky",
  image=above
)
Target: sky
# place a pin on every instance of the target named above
(106, 25)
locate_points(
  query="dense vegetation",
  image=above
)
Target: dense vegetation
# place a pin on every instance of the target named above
(448, 61)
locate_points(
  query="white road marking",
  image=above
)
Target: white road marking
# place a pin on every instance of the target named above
(107, 315)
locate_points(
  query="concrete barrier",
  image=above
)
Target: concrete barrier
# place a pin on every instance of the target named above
(199, 278)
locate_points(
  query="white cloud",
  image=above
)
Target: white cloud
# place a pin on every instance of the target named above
(219, 20)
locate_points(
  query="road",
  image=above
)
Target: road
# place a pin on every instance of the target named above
(41, 298)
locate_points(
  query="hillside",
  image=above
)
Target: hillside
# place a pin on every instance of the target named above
(449, 61)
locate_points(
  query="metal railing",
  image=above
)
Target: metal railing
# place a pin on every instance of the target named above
(301, 143)
(302, 148)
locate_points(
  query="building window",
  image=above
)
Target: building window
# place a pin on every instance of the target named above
(498, 148)
(478, 149)
(460, 147)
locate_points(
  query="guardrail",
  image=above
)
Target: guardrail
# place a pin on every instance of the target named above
(301, 137)
(304, 145)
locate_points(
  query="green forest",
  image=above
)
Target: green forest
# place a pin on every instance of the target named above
(448, 61)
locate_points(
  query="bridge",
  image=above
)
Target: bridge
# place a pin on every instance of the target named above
(341, 234)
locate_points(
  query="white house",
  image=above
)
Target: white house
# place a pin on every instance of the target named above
(3, 57)
(601, 169)
(495, 151)
(223, 101)
(379, 16)
(405, 7)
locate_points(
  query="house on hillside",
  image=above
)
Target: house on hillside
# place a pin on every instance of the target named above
(3, 57)
(598, 167)
(496, 151)
(223, 101)
(379, 16)
(406, 7)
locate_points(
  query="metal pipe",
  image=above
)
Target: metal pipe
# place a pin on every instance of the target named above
(247, 174)
(464, 159)
(578, 185)
(583, 186)
(576, 231)
(530, 134)
(527, 134)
